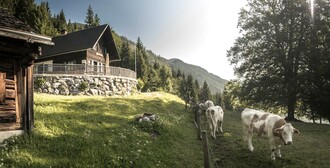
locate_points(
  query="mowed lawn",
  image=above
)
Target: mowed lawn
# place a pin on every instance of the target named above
(310, 148)
(82, 131)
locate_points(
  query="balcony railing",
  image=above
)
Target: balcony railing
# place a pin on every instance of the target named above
(83, 69)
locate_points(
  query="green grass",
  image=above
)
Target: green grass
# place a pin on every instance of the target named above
(311, 148)
(101, 132)
(82, 131)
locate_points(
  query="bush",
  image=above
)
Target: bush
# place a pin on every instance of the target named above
(39, 82)
(83, 86)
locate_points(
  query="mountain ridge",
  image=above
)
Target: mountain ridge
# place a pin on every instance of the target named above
(216, 84)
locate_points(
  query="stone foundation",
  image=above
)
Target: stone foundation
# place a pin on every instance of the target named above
(84, 85)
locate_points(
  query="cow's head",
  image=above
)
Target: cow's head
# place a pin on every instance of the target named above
(201, 108)
(286, 132)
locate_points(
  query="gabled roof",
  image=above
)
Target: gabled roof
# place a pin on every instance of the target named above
(12, 27)
(82, 40)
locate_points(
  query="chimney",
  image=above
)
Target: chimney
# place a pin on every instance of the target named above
(64, 32)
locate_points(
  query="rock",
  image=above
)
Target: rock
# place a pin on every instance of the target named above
(93, 92)
(99, 85)
(145, 119)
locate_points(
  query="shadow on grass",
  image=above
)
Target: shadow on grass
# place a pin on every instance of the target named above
(92, 133)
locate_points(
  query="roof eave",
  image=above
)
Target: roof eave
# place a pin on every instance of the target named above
(108, 26)
(29, 37)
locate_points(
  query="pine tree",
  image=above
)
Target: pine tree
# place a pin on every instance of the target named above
(192, 94)
(89, 17)
(70, 26)
(44, 21)
(62, 21)
(165, 78)
(125, 55)
(97, 20)
(9, 4)
(197, 90)
(219, 100)
(205, 92)
(183, 89)
(25, 10)
(143, 67)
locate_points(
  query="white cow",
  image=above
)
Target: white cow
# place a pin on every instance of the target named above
(268, 125)
(214, 116)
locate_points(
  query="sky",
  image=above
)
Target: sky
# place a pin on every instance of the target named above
(198, 32)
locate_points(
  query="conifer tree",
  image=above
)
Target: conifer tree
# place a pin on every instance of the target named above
(44, 21)
(25, 10)
(9, 4)
(89, 17)
(97, 20)
(197, 89)
(125, 55)
(62, 21)
(165, 78)
(70, 26)
(205, 92)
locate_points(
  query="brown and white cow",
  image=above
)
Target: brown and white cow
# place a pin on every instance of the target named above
(204, 106)
(272, 126)
(201, 109)
(214, 116)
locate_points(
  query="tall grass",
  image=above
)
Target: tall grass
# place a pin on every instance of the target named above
(101, 132)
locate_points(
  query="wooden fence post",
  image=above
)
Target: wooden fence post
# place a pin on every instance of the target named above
(199, 127)
(206, 150)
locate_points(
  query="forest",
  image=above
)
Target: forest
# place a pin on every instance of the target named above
(152, 76)
(281, 57)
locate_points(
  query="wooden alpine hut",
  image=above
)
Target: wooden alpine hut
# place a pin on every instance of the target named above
(19, 47)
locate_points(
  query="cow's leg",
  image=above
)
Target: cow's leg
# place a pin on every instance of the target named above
(278, 151)
(211, 128)
(220, 127)
(245, 133)
(214, 129)
(249, 141)
(272, 148)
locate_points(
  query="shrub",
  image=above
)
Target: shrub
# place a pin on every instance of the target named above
(39, 82)
(83, 86)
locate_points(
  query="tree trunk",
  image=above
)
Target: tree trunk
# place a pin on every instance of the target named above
(291, 105)
(292, 98)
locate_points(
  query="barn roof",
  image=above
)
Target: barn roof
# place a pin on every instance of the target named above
(12, 27)
(82, 40)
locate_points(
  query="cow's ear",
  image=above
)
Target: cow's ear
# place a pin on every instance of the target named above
(278, 130)
(296, 131)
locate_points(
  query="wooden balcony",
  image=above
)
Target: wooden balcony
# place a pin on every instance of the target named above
(83, 69)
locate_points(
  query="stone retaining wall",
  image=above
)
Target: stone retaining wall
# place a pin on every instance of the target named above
(84, 85)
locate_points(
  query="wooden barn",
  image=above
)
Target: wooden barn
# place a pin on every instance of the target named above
(19, 47)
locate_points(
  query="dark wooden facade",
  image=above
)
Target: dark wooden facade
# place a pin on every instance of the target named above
(92, 46)
(19, 47)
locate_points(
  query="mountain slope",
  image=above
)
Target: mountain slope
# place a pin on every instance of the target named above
(216, 84)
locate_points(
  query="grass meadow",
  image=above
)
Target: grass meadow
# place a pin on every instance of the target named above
(82, 131)
(310, 148)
